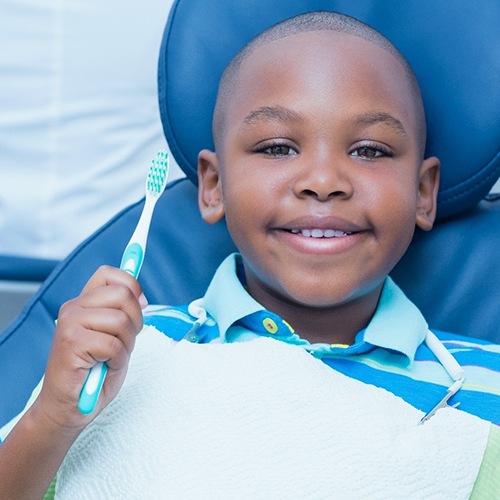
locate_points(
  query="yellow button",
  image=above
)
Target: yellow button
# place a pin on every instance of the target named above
(270, 325)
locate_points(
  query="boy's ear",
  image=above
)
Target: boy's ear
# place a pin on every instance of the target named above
(427, 193)
(209, 188)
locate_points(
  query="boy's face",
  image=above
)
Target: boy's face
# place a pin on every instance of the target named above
(319, 171)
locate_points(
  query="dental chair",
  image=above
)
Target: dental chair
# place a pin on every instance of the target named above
(20, 278)
(451, 273)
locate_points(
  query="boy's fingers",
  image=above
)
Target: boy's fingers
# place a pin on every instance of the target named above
(97, 347)
(108, 275)
(100, 324)
(110, 314)
(117, 297)
(111, 322)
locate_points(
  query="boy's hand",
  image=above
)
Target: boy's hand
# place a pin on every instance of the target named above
(99, 325)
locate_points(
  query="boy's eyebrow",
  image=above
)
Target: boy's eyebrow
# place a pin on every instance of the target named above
(381, 117)
(271, 113)
(281, 113)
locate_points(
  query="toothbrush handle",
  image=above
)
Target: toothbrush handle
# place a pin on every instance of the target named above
(132, 260)
(133, 256)
(92, 388)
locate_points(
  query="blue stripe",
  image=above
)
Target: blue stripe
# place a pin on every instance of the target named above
(422, 395)
(174, 328)
(176, 322)
(484, 359)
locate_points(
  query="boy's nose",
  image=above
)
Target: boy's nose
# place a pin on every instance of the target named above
(323, 179)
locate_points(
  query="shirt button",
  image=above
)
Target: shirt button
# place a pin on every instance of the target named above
(270, 325)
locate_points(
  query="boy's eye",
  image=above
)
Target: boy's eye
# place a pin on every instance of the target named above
(277, 150)
(370, 152)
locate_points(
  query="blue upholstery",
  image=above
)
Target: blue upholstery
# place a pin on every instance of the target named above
(452, 273)
(13, 267)
(454, 51)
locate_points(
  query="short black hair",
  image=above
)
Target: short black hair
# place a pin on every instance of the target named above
(308, 22)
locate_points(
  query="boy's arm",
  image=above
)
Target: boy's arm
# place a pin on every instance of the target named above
(31, 455)
(101, 324)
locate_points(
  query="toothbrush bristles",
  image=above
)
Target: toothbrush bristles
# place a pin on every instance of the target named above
(157, 173)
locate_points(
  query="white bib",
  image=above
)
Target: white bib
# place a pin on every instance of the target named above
(263, 420)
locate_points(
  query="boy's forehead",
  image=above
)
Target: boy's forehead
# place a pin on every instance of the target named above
(326, 45)
(315, 55)
(305, 58)
(294, 41)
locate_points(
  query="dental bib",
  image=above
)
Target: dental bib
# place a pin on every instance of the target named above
(260, 420)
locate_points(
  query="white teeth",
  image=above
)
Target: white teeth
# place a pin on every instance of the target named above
(319, 233)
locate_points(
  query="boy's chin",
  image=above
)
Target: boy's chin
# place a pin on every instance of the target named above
(324, 296)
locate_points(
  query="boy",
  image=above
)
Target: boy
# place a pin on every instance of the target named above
(319, 133)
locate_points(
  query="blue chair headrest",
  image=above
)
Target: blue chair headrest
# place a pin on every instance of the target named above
(456, 57)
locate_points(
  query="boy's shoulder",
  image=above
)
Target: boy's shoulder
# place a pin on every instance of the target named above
(176, 322)
(173, 321)
(471, 351)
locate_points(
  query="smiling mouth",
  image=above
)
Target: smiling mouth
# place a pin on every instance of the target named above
(320, 233)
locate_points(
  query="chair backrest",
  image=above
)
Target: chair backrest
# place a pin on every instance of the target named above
(452, 273)
(453, 49)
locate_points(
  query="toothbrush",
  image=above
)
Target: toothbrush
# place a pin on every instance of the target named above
(131, 262)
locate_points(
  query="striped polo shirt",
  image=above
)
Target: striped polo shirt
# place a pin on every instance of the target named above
(389, 353)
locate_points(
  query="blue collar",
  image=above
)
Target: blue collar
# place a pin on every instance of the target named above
(397, 324)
